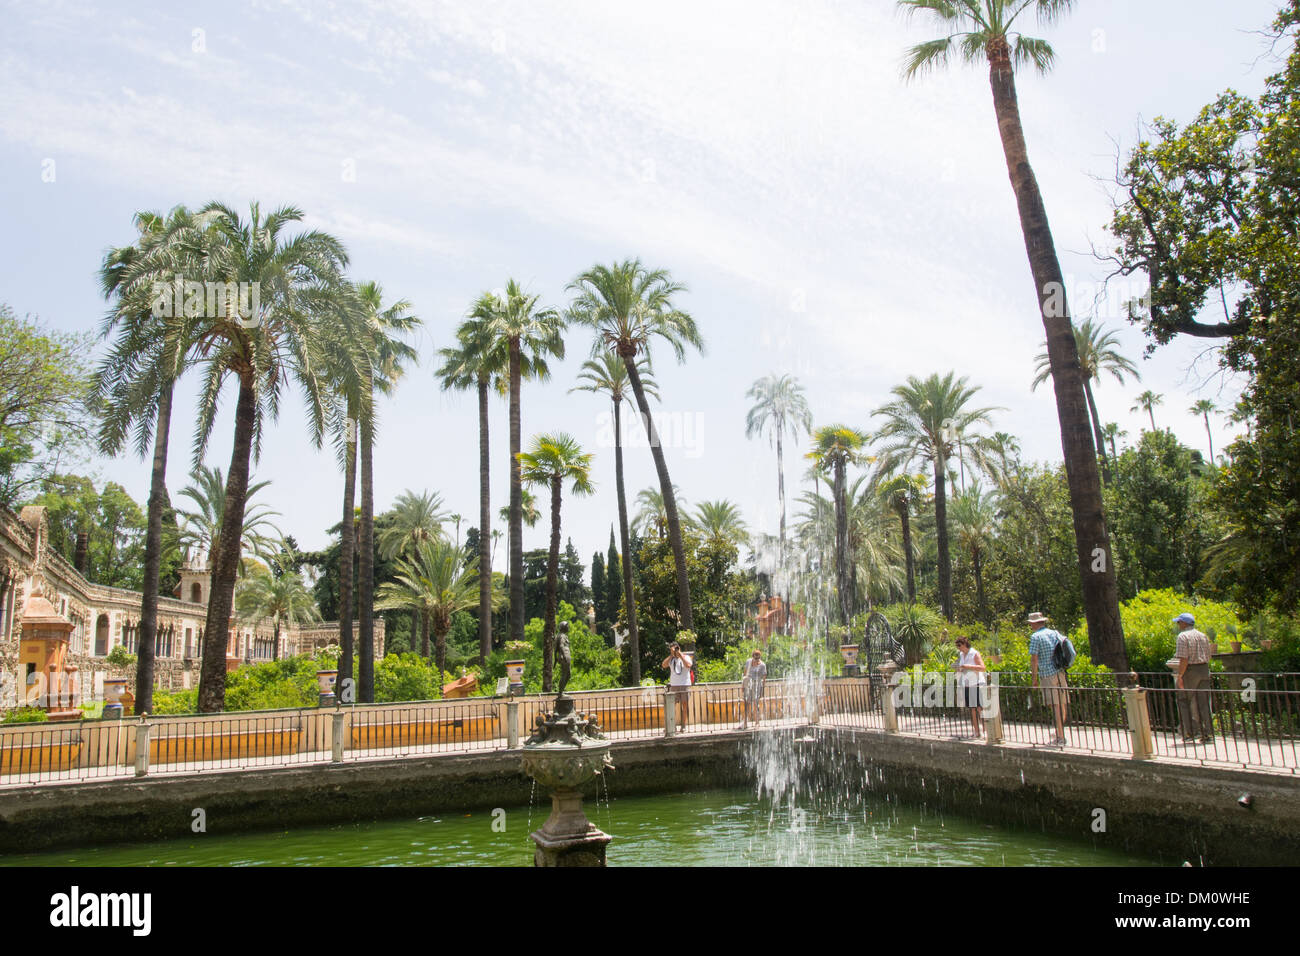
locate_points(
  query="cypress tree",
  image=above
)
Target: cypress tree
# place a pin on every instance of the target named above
(598, 596)
(613, 581)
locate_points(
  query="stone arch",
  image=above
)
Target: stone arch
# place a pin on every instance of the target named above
(101, 636)
(196, 593)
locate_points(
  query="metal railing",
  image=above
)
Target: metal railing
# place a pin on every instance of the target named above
(1254, 722)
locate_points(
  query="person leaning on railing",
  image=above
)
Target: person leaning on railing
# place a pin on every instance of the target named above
(1193, 653)
(1042, 644)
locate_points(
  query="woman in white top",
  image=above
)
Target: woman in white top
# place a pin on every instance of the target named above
(972, 682)
(678, 665)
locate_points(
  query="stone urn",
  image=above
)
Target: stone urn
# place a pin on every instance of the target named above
(566, 750)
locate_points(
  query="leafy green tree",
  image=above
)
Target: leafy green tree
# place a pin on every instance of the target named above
(628, 305)
(722, 598)
(973, 522)
(552, 461)
(835, 447)
(112, 522)
(985, 30)
(43, 424)
(1161, 536)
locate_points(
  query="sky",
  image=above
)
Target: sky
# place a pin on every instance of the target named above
(829, 220)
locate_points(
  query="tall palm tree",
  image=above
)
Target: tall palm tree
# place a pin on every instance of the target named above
(720, 522)
(286, 600)
(983, 30)
(133, 387)
(923, 424)
(201, 528)
(876, 564)
(779, 407)
(415, 520)
(1111, 431)
(900, 493)
(349, 371)
(1098, 352)
(628, 305)
(530, 334)
(382, 328)
(1204, 407)
(973, 514)
(435, 581)
(298, 278)
(835, 447)
(1146, 402)
(478, 361)
(652, 511)
(553, 460)
(607, 375)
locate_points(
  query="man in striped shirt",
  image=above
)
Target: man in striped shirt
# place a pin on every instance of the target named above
(1193, 653)
(1043, 668)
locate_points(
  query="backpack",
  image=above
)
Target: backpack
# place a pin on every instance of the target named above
(1063, 653)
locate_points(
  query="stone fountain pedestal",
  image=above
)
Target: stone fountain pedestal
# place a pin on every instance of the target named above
(565, 751)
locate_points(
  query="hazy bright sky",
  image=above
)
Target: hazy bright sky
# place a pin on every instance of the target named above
(830, 220)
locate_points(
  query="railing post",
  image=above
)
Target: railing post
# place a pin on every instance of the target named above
(512, 724)
(336, 736)
(142, 746)
(1139, 721)
(670, 713)
(993, 714)
(889, 671)
(815, 712)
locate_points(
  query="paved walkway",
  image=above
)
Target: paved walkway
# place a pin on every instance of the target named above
(1229, 753)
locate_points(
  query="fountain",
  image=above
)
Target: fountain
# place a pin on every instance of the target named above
(567, 749)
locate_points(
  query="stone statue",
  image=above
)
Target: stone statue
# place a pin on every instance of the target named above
(564, 655)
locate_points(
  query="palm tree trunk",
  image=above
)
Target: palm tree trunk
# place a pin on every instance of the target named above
(485, 528)
(366, 567)
(909, 559)
(552, 578)
(347, 549)
(1097, 435)
(842, 583)
(424, 636)
(1210, 436)
(153, 553)
(440, 651)
(685, 614)
(516, 505)
(275, 648)
(780, 490)
(1151, 412)
(212, 675)
(629, 599)
(941, 530)
(1092, 543)
(979, 585)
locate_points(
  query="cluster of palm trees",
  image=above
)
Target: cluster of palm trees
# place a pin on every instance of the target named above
(307, 326)
(507, 338)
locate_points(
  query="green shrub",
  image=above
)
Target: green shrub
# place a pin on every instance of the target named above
(1149, 631)
(25, 715)
(119, 656)
(595, 665)
(175, 701)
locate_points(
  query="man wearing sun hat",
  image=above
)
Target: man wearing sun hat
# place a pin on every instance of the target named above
(1193, 653)
(1043, 667)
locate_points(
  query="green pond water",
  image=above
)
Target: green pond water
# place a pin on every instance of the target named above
(708, 828)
